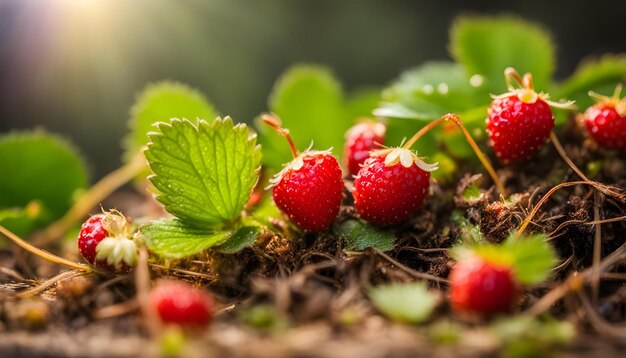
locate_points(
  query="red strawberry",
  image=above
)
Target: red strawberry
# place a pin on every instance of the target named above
(606, 120)
(520, 121)
(391, 186)
(309, 190)
(360, 140)
(104, 242)
(179, 303)
(482, 287)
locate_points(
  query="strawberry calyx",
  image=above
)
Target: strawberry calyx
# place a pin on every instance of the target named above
(524, 89)
(117, 249)
(404, 157)
(297, 163)
(613, 102)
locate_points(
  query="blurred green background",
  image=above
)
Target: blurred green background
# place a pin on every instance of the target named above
(74, 66)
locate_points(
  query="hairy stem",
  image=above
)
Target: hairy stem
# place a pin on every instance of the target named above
(42, 253)
(481, 156)
(276, 125)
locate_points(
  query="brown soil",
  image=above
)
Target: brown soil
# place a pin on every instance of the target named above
(313, 284)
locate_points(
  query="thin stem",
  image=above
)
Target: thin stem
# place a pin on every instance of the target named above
(276, 125)
(410, 271)
(597, 248)
(527, 82)
(559, 148)
(545, 198)
(142, 284)
(42, 253)
(48, 283)
(511, 74)
(617, 92)
(90, 199)
(483, 159)
(575, 282)
(601, 187)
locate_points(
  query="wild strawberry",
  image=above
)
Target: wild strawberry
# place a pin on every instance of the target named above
(520, 121)
(391, 185)
(606, 120)
(179, 303)
(362, 138)
(482, 287)
(309, 189)
(104, 241)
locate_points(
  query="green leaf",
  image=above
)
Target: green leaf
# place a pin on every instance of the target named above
(42, 173)
(405, 303)
(447, 167)
(263, 317)
(600, 75)
(359, 236)
(472, 193)
(487, 45)
(432, 90)
(525, 336)
(173, 239)
(205, 173)
(20, 221)
(362, 102)
(533, 257)
(400, 129)
(310, 103)
(244, 237)
(160, 102)
(428, 92)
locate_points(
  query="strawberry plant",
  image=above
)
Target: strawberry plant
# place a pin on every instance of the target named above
(236, 229)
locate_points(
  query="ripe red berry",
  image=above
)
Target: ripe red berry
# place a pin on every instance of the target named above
(360, 140)
(518, 129)
(179, 303)
(103, 241)
(519, 122)
(391, 186)
(309, 189)
(482, 287)
(606, 121)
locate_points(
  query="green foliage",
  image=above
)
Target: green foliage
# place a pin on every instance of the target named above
(483, 48)
(405, 303)
(362, 102)
(160, 102)
(264, 318)
(524, 336)
(600, 75)
(430, 91)
(488, 45)
(445, 332)
(360, 235)
(244, 237)
(447, 166)
(472, 193)
(532, 257)
(173, 239)
(173, 342)
(204, 172)
(426, 93)
(41, 175)
(311, 104)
